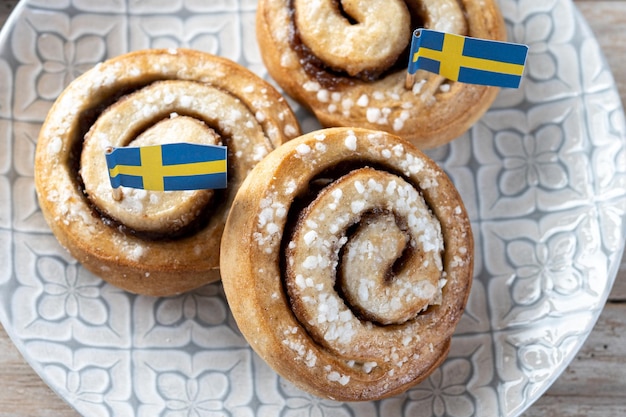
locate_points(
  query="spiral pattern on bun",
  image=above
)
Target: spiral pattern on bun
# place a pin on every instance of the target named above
(152, 242)
(347, 261)
(346, 61)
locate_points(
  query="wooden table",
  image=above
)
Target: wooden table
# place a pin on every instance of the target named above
(594, 385)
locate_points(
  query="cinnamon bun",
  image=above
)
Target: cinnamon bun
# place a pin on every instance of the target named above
(346, 61)
(347, 262)
(152, 242)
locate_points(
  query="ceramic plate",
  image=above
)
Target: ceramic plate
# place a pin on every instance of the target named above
(543, 175)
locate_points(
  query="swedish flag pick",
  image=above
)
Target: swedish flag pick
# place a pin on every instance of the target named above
(468, 60)
(169, 167)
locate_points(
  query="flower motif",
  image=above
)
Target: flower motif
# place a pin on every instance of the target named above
(531, 161)
(203, 304)
(82, 385)
(193, 397)
(302, 404)
(444, 392)
(64, 60)
(535, 32)
(544, 268)
(538, 360)
(69, 291)
(547, 27)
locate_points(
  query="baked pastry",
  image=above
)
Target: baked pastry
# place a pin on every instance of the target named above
(347, 262)
(152, 242)
(346, 61)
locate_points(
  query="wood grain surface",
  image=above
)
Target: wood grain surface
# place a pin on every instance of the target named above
(593, 385)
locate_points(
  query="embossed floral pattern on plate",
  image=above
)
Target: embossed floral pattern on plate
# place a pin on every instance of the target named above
(543, 176)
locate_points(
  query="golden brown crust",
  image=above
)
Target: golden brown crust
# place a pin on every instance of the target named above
(433, 112)
(289, 233)
(140, 262)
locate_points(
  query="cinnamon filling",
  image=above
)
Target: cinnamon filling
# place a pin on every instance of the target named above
(332, 77)
(382, 260)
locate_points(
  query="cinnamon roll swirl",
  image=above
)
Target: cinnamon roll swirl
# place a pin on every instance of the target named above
(346, 61)
(347, 261)
(152, 242)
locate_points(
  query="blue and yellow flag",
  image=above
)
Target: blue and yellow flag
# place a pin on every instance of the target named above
(169, 167)
(468, 60)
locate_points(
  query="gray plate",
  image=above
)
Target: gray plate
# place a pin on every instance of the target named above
(543, 175)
